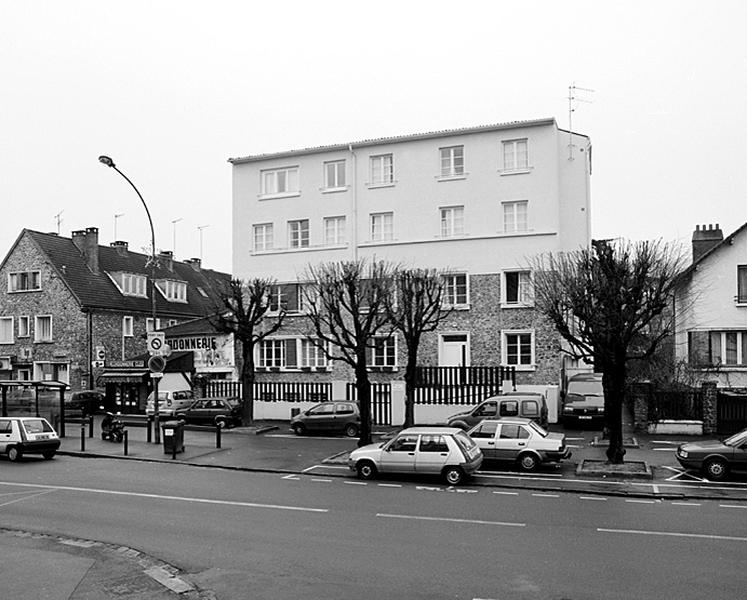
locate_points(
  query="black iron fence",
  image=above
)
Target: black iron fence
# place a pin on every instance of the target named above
(461, 385)
(381, 401)
(676, 405)
(274, 391)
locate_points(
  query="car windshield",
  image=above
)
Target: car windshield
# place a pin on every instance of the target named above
(36, 426)
(464, 441)
(585, 387)
(537, 429)
(737, 439)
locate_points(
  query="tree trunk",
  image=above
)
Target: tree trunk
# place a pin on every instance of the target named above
(410, 377)
(363, 391)
(247, 385)
(614, 395)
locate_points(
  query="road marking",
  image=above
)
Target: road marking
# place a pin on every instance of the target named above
(392, 485)
(66, 488)
(664, 449)
(321, 480)
(686, 504)
(597, 498)
(292, 477)
(546, 495)
(449, 520)
(675, 534)
(26, 497)
(642, 501)
(507, 493)
(307, 469)
(666, 442)
(355, 482)
(732, 506)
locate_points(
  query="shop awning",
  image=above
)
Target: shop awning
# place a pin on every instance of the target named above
(122, 377)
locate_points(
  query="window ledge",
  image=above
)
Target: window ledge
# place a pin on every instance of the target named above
(524, 368)
(457, 306)
(334, 190)
(522, 171)
(458, 177)
(24, 291)
(739, 304)
(510, 305)
(372, 186)
(276, 196)
(373, 369)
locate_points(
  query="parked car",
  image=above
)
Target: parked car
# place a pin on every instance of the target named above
(520, 441)
(583, 404)
(529, 405)
(27, 435)
(221, 412)
(328, 417)
(84, 403)
(715, 458)
(445, 451)
(169, 402)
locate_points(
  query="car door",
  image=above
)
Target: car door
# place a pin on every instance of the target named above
(486, 410)
(399, 455)
(484, 435)
(739, 458)
(320, 418)
(6, 433)
(200, 412)
(344, 414)
(431, 454)
(511, 439)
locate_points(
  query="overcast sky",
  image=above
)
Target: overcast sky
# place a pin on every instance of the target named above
(172, 89)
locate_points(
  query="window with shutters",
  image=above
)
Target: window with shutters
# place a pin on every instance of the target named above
(6, 330)
(717, 348)
(742, 284)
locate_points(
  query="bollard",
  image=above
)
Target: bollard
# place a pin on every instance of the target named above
(82, 435)
(125, 440)
(90, 426)
(217, 436)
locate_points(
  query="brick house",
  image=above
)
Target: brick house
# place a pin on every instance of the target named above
(474, 202)
(70, 308)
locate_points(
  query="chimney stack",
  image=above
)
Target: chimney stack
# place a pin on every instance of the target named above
(166, 259)
(87, 242)
(120, 246)
(196, 263)
(705, 239)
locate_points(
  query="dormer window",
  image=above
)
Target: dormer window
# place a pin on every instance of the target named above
(173, 291)
(131, 284)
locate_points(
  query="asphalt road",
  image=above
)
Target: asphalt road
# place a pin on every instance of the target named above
(258, 535)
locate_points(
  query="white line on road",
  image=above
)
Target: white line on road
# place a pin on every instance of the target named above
(507, 493)
(164, 497)
(732, 506)
(675, 534)
(664, 449)
(546, 495)
(449, 520)
(292, 477)
(642, 501)
(394, 485)
(26, 497)
(355, 483)
(686, 504)
(597, 498)
(320, 480)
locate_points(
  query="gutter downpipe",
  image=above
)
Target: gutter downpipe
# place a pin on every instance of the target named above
(354, 199)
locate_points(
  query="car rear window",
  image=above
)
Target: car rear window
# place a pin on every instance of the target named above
(531, 408)
(464, 441)
(509, 408)
(36, 426)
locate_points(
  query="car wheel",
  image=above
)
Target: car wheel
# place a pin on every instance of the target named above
(528, 462)
(453, 475)
(14, 453)
(299, 429)
(716, 469)
(48, 455)
(351, 430)
(117, 438)
(366, 470)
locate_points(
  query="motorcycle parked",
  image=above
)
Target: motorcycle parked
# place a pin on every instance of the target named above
(112, 428)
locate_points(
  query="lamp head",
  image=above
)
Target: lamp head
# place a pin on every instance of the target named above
(106, 161)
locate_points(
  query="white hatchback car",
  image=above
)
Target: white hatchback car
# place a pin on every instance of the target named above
(27, 435)
(169, 402)
(445, 451)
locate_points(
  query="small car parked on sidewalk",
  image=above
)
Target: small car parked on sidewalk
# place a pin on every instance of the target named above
(445, 451)
(169, 402)
(530, 405)
(520, 441)
(27, 435)
(219, 412)
(328, 417)
(715, 458)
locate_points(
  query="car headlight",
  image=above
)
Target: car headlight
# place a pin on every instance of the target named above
(567, 409)
(682, 453)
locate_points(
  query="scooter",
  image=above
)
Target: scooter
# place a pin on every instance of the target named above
(112, 428)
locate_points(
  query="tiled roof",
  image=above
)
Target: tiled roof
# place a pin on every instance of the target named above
(98, 290)
(194, 327)
(395, 139)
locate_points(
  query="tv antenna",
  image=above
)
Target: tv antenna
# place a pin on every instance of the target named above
(173, 223)
(116, 216)
(573, 99)
(200, 228)
(58, 220)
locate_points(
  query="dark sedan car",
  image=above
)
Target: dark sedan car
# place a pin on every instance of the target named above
(221, 412)
(331, 417)
(715, 458)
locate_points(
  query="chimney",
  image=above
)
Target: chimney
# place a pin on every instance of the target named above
(87, 242)
(705, 239)
(166, 259)
(120, 246)
(195, 263)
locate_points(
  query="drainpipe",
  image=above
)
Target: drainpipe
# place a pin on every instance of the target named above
(354, 199)
(89, 327)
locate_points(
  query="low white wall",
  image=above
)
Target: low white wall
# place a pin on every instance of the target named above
(671, 427)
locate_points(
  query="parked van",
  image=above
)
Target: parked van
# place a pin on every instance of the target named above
(583, 404)
(530, 405)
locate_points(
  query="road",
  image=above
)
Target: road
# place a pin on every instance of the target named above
(260, 535)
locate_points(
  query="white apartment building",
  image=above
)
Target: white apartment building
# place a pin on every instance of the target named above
(476, 202)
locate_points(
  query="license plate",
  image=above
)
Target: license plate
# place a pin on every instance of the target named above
(42, 436)
(584, 417)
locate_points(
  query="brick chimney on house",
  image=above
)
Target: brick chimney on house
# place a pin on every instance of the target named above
(87, 242)
(120, 246)
(705, 239)
(166, 259)
(195, 263)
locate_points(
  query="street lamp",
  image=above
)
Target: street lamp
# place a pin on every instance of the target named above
(105, 160)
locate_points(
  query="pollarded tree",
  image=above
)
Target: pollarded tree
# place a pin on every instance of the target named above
(346, 306)
(246, 310)
(611, 304)
(414, 310)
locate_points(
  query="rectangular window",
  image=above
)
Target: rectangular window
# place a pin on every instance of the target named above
(334, 174)
(452, 161)
(133, 285)
(24, 326)
(279, 181)
(43, 328)
(26, 281)
(515, 216)
(312, 354)
(382, 169)
(6, 330)
(127, 323)
(725, 348)
(742, 284)
(452, 221)
(383, 353)
(334, 231)
(382, 226)
(149, 324)
(271, 353)
(285, 297)
(515, 156)
(455, 290)
(173, 291)
(518, 348)
(518, 285)
(298, 233)
(263, 237)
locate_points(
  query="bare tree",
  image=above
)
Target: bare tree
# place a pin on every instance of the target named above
(248, 311)
(611, 304)
(415, 309)
(346, 303)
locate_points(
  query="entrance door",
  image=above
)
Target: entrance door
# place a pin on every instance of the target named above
(454, 350)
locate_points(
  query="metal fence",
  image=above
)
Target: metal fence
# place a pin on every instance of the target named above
(461, 385)
(677, 405)
(274, 391)
(381, 401)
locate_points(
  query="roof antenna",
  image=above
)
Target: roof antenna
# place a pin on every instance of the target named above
(573, 100)
(58, 219)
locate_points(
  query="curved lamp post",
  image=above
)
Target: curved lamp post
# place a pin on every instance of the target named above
(105, 160)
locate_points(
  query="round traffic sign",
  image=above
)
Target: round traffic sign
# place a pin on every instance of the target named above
(157, 364)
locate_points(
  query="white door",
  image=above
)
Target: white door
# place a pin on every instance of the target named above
(454, 350)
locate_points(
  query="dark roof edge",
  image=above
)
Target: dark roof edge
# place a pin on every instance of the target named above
(395, 140)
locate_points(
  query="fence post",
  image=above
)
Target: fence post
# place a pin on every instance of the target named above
(126, 439)
(710, 407)
(82, 435)
(148, 434)
(217, 436)
(90, 426)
